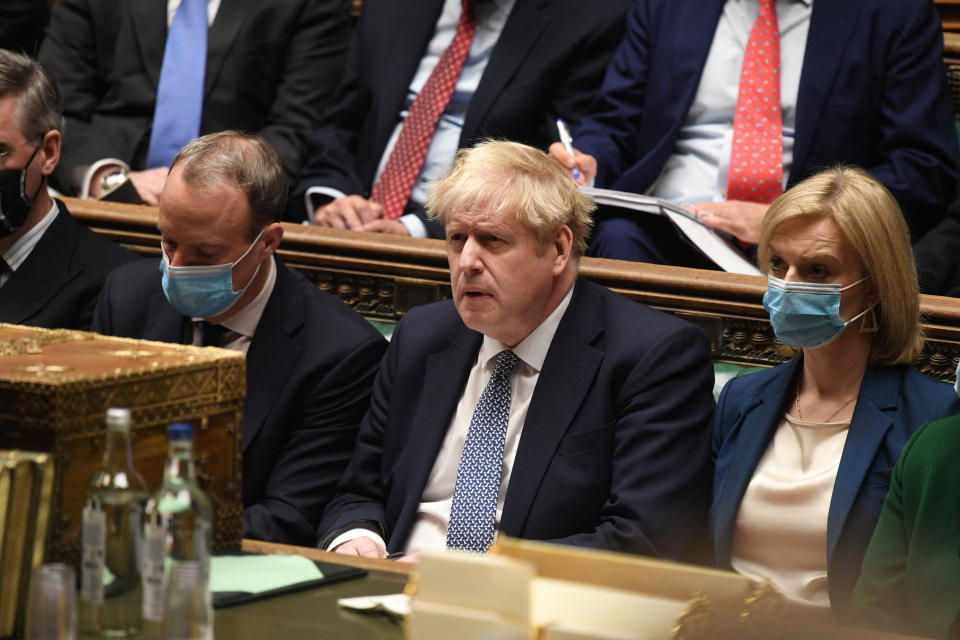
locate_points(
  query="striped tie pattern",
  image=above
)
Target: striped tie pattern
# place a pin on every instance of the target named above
(403, 166)
(756, 156)
(474, 509)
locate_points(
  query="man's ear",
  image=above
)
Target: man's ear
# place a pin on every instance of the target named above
(562, 246)
(271, 236)
(50, 146)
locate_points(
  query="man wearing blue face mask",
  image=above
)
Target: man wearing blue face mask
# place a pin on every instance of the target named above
(51, 266)
(311, 360)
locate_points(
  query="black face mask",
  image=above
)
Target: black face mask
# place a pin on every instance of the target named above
(14, 201)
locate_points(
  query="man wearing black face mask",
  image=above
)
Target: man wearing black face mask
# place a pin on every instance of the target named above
(51, 267)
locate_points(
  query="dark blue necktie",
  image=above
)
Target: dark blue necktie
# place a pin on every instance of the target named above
(474, 509)
(176, 118)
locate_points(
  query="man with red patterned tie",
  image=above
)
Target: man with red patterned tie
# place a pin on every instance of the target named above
(427, 78)
(723, 104)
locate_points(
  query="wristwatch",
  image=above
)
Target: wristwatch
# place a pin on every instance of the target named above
(112, 180)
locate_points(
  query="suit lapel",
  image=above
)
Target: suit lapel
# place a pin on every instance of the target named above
(872, 419)
(568, 372)
(164, 323)
(274, 352)
(223, 32)
(445, 376)
(415, 23)
(831, 26)
(691, 38)
(526, 23)
(45, 271)
(761, 416)
(149, 19)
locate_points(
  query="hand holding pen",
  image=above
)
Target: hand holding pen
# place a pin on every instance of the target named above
(582, 167)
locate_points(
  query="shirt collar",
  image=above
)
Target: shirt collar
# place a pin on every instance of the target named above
(246, 320)
(17, 253)
(532, 350)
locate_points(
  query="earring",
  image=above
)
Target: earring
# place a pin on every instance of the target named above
(869, 323)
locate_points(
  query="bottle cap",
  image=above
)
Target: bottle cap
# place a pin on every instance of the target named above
(118, 419)
(180, 431)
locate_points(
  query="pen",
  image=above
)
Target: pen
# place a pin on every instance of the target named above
(567, 143)
(394, 555)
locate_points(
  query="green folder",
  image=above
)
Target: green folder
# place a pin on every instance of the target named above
(245, 577)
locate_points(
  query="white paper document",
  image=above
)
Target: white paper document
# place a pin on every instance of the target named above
(711, 243)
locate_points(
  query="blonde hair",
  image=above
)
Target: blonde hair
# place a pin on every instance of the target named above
(872, 222)
(508, 177)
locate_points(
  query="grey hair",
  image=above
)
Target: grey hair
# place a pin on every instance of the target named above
(38, 99)
(244, 160)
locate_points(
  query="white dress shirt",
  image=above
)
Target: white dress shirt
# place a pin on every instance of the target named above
(491, 18)
(781, 530)
(242, 325)
(430, 528)
(697, 169)
(19, 251)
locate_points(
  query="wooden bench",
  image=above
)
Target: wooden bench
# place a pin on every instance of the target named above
(383, 276)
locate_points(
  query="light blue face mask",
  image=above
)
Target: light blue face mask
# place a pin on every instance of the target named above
(806, 314)
(203, 291)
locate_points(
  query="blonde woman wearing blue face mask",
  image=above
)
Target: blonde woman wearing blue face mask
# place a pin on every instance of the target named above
(803, 451)
(911, 574)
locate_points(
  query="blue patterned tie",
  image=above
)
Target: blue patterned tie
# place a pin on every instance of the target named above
(176, 117)
(474, 509)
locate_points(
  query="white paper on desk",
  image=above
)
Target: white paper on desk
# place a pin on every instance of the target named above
(395, 604)
(704, 238)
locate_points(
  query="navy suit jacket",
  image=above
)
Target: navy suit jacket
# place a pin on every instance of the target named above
(872, 93)
(548, 63)
(892, 404)
(613, 452)
(57, 285)
(310, 367)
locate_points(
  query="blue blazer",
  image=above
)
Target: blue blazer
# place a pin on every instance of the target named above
(614, 452)
(892, 404)
(872, 93)
(310, 368)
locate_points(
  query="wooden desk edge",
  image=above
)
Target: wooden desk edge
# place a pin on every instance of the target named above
(378, 567)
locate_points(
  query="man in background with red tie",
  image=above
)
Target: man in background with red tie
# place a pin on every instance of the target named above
(722, 104)
(426, 78)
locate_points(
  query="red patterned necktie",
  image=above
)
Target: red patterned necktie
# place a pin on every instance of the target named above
(756, 156)
(403, 166)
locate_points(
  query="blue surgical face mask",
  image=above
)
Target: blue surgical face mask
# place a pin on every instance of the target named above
(203, 291)
(806, 314)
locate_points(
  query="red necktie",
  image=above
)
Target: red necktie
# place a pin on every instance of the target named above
(403, 166)
(756, 156)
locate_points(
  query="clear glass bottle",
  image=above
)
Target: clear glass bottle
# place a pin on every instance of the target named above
(178, 527)
(189, 610)
(110, 590)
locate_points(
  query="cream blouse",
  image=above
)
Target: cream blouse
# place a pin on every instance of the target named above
(781, 530)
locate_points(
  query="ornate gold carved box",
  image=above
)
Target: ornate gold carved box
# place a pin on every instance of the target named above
(55, 388)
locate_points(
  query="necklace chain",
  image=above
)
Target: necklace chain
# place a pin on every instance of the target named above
(832, 415)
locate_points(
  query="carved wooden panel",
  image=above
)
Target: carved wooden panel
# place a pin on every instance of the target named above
(384, 276)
